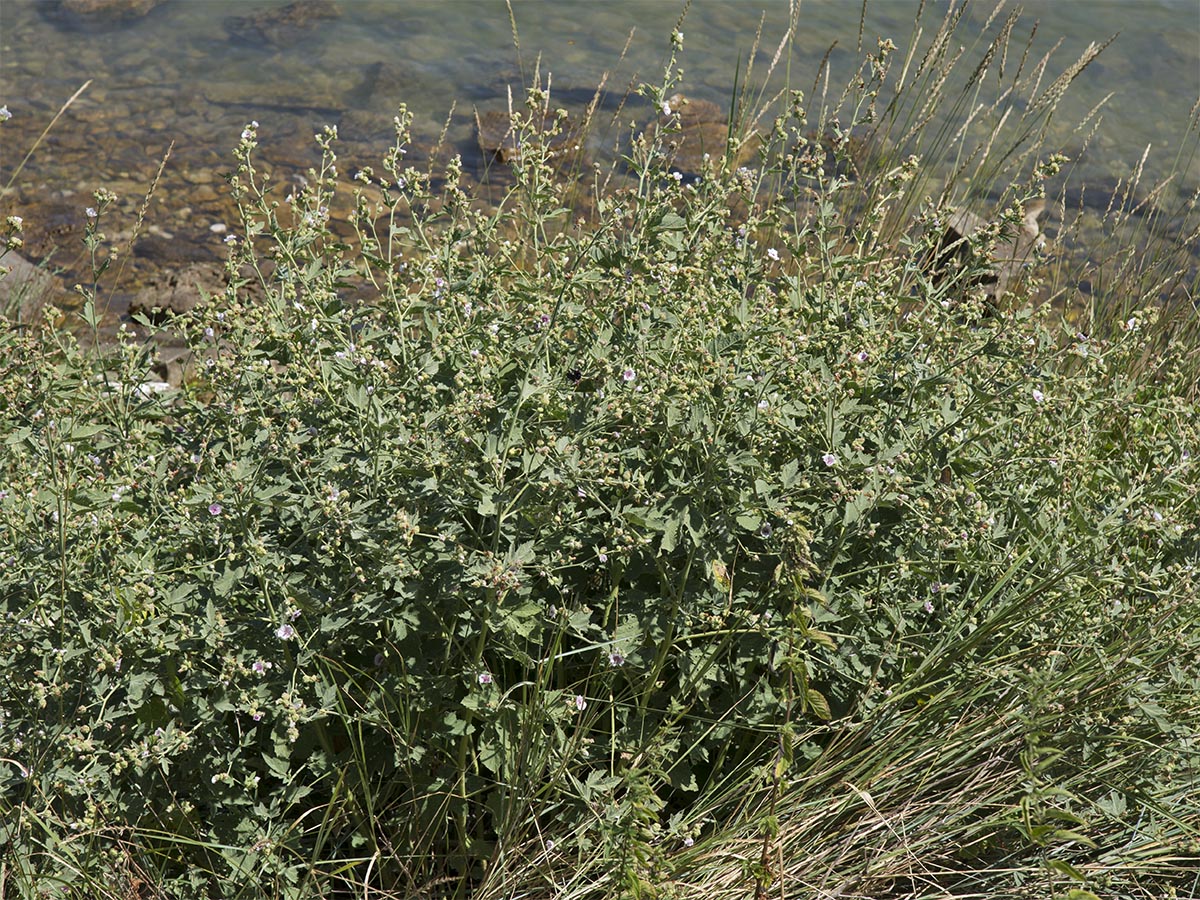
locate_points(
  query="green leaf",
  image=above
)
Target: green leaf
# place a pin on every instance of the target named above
(858, 504)
(279, 766)
(787, 474)
(137, 685)
(1065, 868)
(751, 521)
(225, 582)
(1067, 836)
(821, 638)
(79, 432)
(671, 222)
(816, 702)
(487, 504)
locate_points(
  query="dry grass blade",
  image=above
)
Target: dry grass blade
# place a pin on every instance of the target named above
(142, 210)
(41, 137)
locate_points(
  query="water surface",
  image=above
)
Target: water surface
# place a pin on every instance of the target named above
(178, 75)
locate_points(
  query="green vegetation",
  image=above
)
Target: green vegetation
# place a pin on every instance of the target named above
(700, 537)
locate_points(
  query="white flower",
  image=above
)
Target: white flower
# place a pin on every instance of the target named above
(485, 677)
(629, 375)
(666, 108)
(773, 253)
(580, 702)
(285, 632)
(5, 115)
(829, 459)
(1038, 396)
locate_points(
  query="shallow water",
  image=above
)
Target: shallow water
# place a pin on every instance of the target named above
(176, 74)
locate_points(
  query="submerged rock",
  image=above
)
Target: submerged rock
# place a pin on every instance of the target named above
(692, 111)
(25, 289)
(695, 130)
(281, 26)
(1004, 264)
(175, 292)
(387, 83)
(84, 13)
(173, 364)
(284, 98)
(500, 140)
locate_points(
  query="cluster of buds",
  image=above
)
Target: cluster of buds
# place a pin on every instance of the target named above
(12, 233)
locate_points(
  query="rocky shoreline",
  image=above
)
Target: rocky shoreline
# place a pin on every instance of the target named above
(169, 231)
(119, 131)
